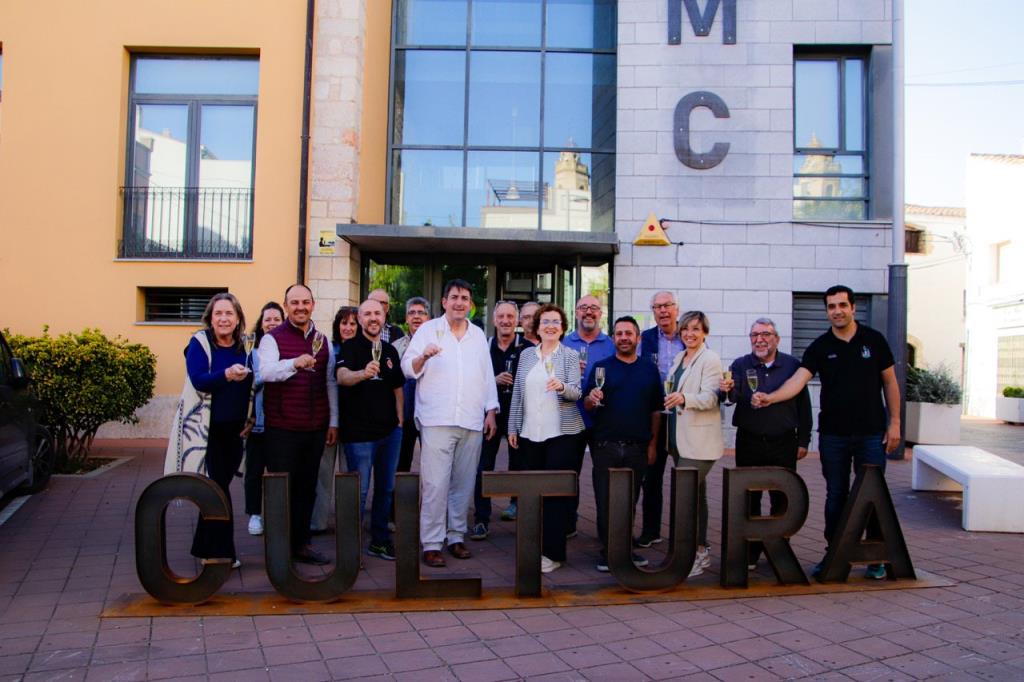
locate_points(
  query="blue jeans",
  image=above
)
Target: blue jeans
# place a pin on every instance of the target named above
(380, 457)
(837, 454)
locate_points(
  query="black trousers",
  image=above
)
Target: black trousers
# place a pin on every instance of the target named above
(605, 455)
(553, 454)
(488, 456)
(583, 440)
(255, 464)
(410, 434)
(215, 539)
(653, 487)
(753, 450)
(297, 453)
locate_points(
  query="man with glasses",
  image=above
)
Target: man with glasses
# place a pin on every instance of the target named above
(777, 435)
(660, 344)
(592, 345)
(505, 348)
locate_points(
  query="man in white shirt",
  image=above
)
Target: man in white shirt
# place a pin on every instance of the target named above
(456, 401)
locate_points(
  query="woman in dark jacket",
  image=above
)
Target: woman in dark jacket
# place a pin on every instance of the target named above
(217, 365)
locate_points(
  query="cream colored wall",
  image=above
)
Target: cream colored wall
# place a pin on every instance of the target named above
(62, 157)
(373, 146)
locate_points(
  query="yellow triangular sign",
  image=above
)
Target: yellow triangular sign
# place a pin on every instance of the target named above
(652, 234)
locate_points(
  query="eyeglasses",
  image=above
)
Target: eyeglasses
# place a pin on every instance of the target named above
(589, 308)
(416, 312)
(761, 335)
(662, 306)
(550, 323)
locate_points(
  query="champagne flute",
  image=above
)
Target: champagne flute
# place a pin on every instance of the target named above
(249, 341)
(584, 353)
(508, 368)
(549, 366)
(318, 343)
(599, 382)
(668, 389)
(752, 380)
(375, 353)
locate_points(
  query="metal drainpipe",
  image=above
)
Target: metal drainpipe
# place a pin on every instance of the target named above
(307, 82)
(897, 331)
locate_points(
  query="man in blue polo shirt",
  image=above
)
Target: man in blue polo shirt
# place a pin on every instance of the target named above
(627, 411)
(856, 366)
(592, 345)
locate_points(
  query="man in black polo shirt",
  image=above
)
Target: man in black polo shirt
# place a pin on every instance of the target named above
(627, 412)
(505, 348)
(371, 423)
(777, 435)
(856, 365)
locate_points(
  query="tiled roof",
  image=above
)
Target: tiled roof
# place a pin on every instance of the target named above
(947, 211)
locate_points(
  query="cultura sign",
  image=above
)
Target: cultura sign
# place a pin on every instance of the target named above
(869, 512)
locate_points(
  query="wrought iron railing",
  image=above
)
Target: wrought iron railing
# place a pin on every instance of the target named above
(187, 222)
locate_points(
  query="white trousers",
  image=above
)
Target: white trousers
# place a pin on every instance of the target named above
(448, 460)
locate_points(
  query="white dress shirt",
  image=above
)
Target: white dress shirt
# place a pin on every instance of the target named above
(274, 369)
(455, 387)
(540, 406)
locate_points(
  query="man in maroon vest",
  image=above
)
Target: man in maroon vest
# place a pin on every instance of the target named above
(300, 407)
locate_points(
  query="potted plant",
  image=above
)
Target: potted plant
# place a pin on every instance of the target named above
(1010, 405)
(933, 406)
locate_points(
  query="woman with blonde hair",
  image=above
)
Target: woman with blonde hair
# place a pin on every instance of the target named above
(695, 424)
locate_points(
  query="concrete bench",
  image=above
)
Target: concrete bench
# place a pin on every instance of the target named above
(993, 487)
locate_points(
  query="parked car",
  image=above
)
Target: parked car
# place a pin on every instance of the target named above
(26, 455)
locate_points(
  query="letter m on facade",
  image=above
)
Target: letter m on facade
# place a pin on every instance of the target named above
(701, 22)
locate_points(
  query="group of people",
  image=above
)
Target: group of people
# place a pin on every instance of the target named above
(631, 399)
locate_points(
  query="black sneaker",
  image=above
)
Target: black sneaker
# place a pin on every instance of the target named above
(383, 550)
(639, 561)
(645, 541)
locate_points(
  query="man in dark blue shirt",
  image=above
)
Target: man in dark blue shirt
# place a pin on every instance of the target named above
(625, 398)
(856, 366)
(777, 435)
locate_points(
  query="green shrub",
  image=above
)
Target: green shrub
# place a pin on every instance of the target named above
(932, 386)
(1013, 392)
(82, 381)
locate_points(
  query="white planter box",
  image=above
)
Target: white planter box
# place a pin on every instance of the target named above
(1010, 409)
(933, 424)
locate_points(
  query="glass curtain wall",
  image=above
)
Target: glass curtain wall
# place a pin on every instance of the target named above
(503, 114)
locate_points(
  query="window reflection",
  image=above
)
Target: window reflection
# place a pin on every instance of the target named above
(161, 131)
(817, 103)
(581, 24)
(854, 105)
(197, 76)
(429, 97)
(579, 191)
(504, 98)
(579, 100)
(509, 23)
(426, 188)
(502, 189)
(431, 22)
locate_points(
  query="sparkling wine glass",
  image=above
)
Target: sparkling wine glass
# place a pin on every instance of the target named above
(249, 341)
(668, 389)
(599, 382)
(375, 352)
(752, 380)
(318, 343)
(508, 368)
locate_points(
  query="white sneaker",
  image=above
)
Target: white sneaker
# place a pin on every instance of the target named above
(255, 525)
(547, 565)
(237, 563)
(697, 569)
(703, 558)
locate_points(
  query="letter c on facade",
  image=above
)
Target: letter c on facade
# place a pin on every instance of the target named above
(681, 130)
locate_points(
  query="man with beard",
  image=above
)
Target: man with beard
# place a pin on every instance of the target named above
(777, 435)
(660, 344)
(856, 366)
(527, 319)
(391, 332)
(505, 348)
(627, 411)
(371, 423)
(591, 344)
(456, 401)
(300, 408)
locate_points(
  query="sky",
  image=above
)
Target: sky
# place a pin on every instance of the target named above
(950, 43)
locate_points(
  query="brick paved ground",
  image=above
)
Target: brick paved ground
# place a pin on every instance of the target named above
(69, 551)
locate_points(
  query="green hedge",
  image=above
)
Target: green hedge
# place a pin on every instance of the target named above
(82, 381)
(1013, 392)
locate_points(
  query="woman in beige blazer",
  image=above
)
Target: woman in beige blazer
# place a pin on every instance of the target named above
(695, 423)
